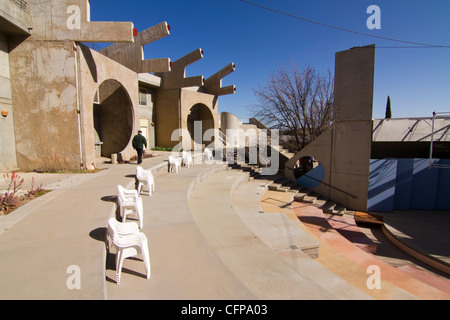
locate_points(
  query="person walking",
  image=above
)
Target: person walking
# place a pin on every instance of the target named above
(139, 142)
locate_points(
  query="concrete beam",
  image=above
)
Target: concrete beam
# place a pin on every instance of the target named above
(70, 20)
(213, 85)
(154, 33)
(14, 20)
(176, 78)
(131, 55)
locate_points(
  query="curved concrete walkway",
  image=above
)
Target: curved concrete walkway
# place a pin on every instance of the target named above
(259, 268)
(183, 264)
(205, 241)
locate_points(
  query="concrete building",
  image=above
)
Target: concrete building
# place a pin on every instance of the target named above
(64, 104)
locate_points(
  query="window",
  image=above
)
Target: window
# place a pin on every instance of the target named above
(143, 97)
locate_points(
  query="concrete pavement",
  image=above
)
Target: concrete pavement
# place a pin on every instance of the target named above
(63, 228)
(208, 239)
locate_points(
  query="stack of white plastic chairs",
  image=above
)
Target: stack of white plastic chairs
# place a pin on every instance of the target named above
(130, 203)
(124, 236)
(128, 242)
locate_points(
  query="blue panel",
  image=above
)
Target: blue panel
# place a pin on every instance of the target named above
(382, 184)
(443, 193)
(403, 184)
(424, 186)
(312, 178)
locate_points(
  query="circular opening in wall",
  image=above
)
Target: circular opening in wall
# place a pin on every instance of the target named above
(308, 172)
(113, 118)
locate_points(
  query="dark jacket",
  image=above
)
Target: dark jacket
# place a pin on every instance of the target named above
(139, 141)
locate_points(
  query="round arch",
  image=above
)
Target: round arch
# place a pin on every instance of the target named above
(199, 120)
(113, 118)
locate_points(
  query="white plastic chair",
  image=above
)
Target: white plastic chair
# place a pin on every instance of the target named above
(129, 242)
(174, 163)
(129, 203)
(145, 177)
(207, 154)
(187, 159)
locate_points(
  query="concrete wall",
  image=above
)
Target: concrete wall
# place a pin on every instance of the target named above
(44, 90)
(167, 114)
(209, 114)
(344, 151)
(70, 20)
(7, 138)
(15, 23)
(61, 78)
(94, 70)
(172, 107)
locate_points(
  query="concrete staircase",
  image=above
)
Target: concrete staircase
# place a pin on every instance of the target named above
(302, 194)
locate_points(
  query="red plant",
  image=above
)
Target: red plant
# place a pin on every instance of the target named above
(9, 200)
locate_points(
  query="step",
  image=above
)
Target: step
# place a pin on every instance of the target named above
(310, 198)
(320, 202)
(328, 207)
(339, 210)
(283, 189)
(286, 236)
(264, 273)
(427, 277)
(347, 227)
(299, 196)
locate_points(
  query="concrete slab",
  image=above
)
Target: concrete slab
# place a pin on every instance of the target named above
(261, 270)
(183, 264)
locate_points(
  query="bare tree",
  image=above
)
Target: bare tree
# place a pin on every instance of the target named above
(297, 102)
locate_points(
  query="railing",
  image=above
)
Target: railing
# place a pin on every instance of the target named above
(94, 46)
(22, 4)
(432, 164)
(224, 139)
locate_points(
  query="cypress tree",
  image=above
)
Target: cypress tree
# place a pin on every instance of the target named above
(388, 108)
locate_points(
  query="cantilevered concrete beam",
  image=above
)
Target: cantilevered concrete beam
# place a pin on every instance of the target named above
(213, 84)
(131, 55)
(70, 20)
(177, 77)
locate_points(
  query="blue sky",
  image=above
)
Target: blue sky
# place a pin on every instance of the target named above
(258, 41)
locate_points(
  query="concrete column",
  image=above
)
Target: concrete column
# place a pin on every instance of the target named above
(352, 132)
